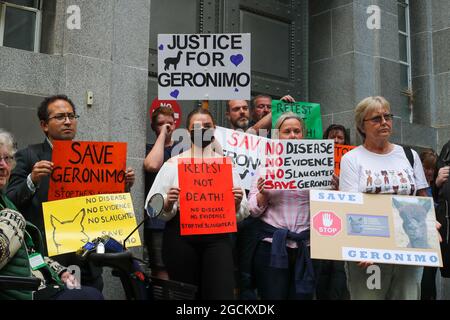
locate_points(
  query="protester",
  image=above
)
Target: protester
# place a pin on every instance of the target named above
(163, 124)
(282, 213)
(441, 194)
(258, 121)
(29, 184)
(17, 244)
(373, 120)
(428, 285)
(338, 133)
(202, 260)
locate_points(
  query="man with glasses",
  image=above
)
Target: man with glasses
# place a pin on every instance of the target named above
(29, 183)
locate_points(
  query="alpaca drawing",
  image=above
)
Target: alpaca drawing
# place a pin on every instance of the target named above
(369, 178)
(172, 60)
(63, 231)
(386, 177)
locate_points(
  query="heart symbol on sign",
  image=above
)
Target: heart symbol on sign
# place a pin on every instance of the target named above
(161, 47)
(175, 93)
(237, 59)
(236, 90)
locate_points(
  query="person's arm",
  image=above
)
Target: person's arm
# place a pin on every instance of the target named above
(240, 198)
(12, 228)
(348, 178)
(258, 200)
(155, 158)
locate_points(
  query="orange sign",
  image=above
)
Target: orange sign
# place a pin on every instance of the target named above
(339, 151)
(206, 196)
(83, 168)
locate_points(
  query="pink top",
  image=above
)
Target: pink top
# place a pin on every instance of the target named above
(285, 209)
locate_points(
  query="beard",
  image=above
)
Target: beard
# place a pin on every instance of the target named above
(241, 123)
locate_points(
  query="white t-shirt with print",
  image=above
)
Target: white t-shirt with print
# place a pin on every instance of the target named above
(368, 172)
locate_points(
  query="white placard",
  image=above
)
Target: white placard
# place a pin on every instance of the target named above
(243, 149)
(204, 66)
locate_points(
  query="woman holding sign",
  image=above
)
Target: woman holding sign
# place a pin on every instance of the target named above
(282, 265)
(196, 248)
(379, 166)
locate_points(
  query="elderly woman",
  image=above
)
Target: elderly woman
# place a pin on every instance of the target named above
(282, 212)
(362, 170)
(204, 260)
(17, 245)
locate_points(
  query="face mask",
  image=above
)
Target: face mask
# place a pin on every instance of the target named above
(197, 137)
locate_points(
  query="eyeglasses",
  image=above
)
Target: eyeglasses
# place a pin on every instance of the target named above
(62, 117)
(8, 159)
(379, 119)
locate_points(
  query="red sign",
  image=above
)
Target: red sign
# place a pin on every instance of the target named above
(83, 168)
(327, 223)
(206, 196)
(339, 151)
(167, 103)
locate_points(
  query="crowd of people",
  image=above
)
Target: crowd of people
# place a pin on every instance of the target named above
(269, 256)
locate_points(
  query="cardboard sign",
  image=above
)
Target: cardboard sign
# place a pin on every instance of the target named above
(339, 151)
(70, 223)
(243, 149)
(309, 112)
(83, 168)
(167, 103)
(298, 164)
(206, 197)
(377, 228)
(204, 66)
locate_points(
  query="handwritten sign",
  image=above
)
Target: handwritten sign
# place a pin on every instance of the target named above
(204, 66)
(206, 197)
(377, 228)
(298, 164)
(339, 151)
(84, 168)
(309, 112)
(243, 149)
(70, 223)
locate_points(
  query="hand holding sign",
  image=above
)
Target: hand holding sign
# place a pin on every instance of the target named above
(172, 197)
(41, 169)
(129, 178)
(238, 195)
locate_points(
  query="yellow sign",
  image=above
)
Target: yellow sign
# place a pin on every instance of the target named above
(70, 223)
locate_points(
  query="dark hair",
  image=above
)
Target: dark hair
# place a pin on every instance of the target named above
(428, 157)
(43, 107)
(338, 127)
(198, 110)
(164, 110)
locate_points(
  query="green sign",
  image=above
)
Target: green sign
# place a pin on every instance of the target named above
(309, 112)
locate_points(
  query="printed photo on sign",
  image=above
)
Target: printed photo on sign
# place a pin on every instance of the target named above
(414, 223)
(380, 228)
(204, 66)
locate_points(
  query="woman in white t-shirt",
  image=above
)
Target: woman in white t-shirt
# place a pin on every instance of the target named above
(379, 166)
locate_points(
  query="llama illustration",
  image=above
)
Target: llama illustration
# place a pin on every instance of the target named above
(369, 178)
(63, 231)
(377, 179)
(385, 175)
(172, 60)
(356, 225)
(402, 179)
(414, 216)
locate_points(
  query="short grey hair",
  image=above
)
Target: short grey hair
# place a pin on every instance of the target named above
(364, 107)
(7, 140)
(286, 116)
